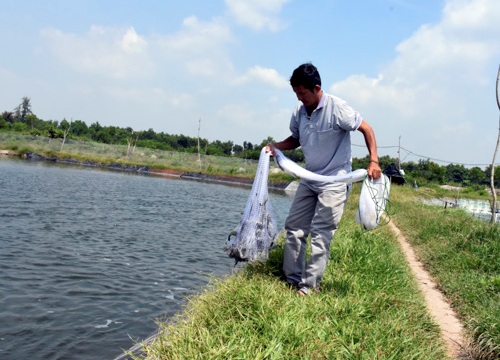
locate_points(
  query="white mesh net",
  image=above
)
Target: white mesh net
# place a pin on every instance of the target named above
(256, 231)
(373, 200)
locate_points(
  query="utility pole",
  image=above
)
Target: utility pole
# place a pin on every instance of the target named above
(492, 178)
(199, 156)
(399, 155)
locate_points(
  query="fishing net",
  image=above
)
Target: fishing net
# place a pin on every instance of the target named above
(256, 232)
(373, 202)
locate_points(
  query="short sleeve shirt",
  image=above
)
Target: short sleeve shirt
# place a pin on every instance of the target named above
(325, 135)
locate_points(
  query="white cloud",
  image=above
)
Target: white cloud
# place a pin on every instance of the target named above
(239, 115)
(257, 14)
(193, 77)
(8, 77)
(196, 38)
(245, 122)
(431, 93)
(264, 75)
(133, 43)
(200, 47)
(433, 87)
(182, 100)
(108, 52)
(479, 15)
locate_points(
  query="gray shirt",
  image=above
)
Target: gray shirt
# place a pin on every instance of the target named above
(325, 135)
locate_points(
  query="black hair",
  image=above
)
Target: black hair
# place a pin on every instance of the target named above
(306, 75)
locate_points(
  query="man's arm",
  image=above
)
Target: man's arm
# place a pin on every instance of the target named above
(288, 144)
(374, 170)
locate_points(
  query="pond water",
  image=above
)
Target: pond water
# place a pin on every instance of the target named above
(90, 259)
(480, 209)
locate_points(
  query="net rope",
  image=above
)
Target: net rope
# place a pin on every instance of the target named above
(298, 171)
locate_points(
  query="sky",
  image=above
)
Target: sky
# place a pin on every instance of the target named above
(422, 73)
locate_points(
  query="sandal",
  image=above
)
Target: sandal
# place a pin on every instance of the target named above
(303, 291)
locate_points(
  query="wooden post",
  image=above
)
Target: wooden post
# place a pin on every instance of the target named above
(492, 178)
(199, 156)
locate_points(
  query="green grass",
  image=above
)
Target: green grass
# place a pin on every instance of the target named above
(369, 308)
(463, 254)
(465, 193)
(106, 154)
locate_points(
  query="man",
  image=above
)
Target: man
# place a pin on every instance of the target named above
(321, 125)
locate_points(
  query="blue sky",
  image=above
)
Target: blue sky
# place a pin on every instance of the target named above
(422, 70)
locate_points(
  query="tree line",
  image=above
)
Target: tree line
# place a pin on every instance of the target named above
(22, 119)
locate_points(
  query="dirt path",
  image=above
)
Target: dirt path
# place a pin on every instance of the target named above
(445, 317)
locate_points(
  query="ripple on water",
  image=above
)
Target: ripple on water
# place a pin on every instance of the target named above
(90, 259)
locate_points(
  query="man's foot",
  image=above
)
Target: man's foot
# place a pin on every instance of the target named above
(303, 291)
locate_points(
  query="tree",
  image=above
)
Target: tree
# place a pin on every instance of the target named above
(147, 135)
(456, 173)
(384, 161)
(8, 116)
(20, 127)
(183, 141)
(431, 171)
(214, 150)
(477, 176)
(54, 133)
(496, 175)
(237, 149)
(65, 127)
(23, 109)
(220, 148)
(247, 145)
(268, 140)
(4, 124)
(296, 155)
(33, 121)
(79, 128)
(130, 152)
(94, 130)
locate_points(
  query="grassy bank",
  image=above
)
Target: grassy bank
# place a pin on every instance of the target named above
(101, 154)
(105, 154)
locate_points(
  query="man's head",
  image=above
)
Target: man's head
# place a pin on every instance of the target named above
(306, 83)
(306, 75)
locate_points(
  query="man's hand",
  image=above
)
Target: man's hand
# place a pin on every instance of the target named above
(374, 171)
(270, 148)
